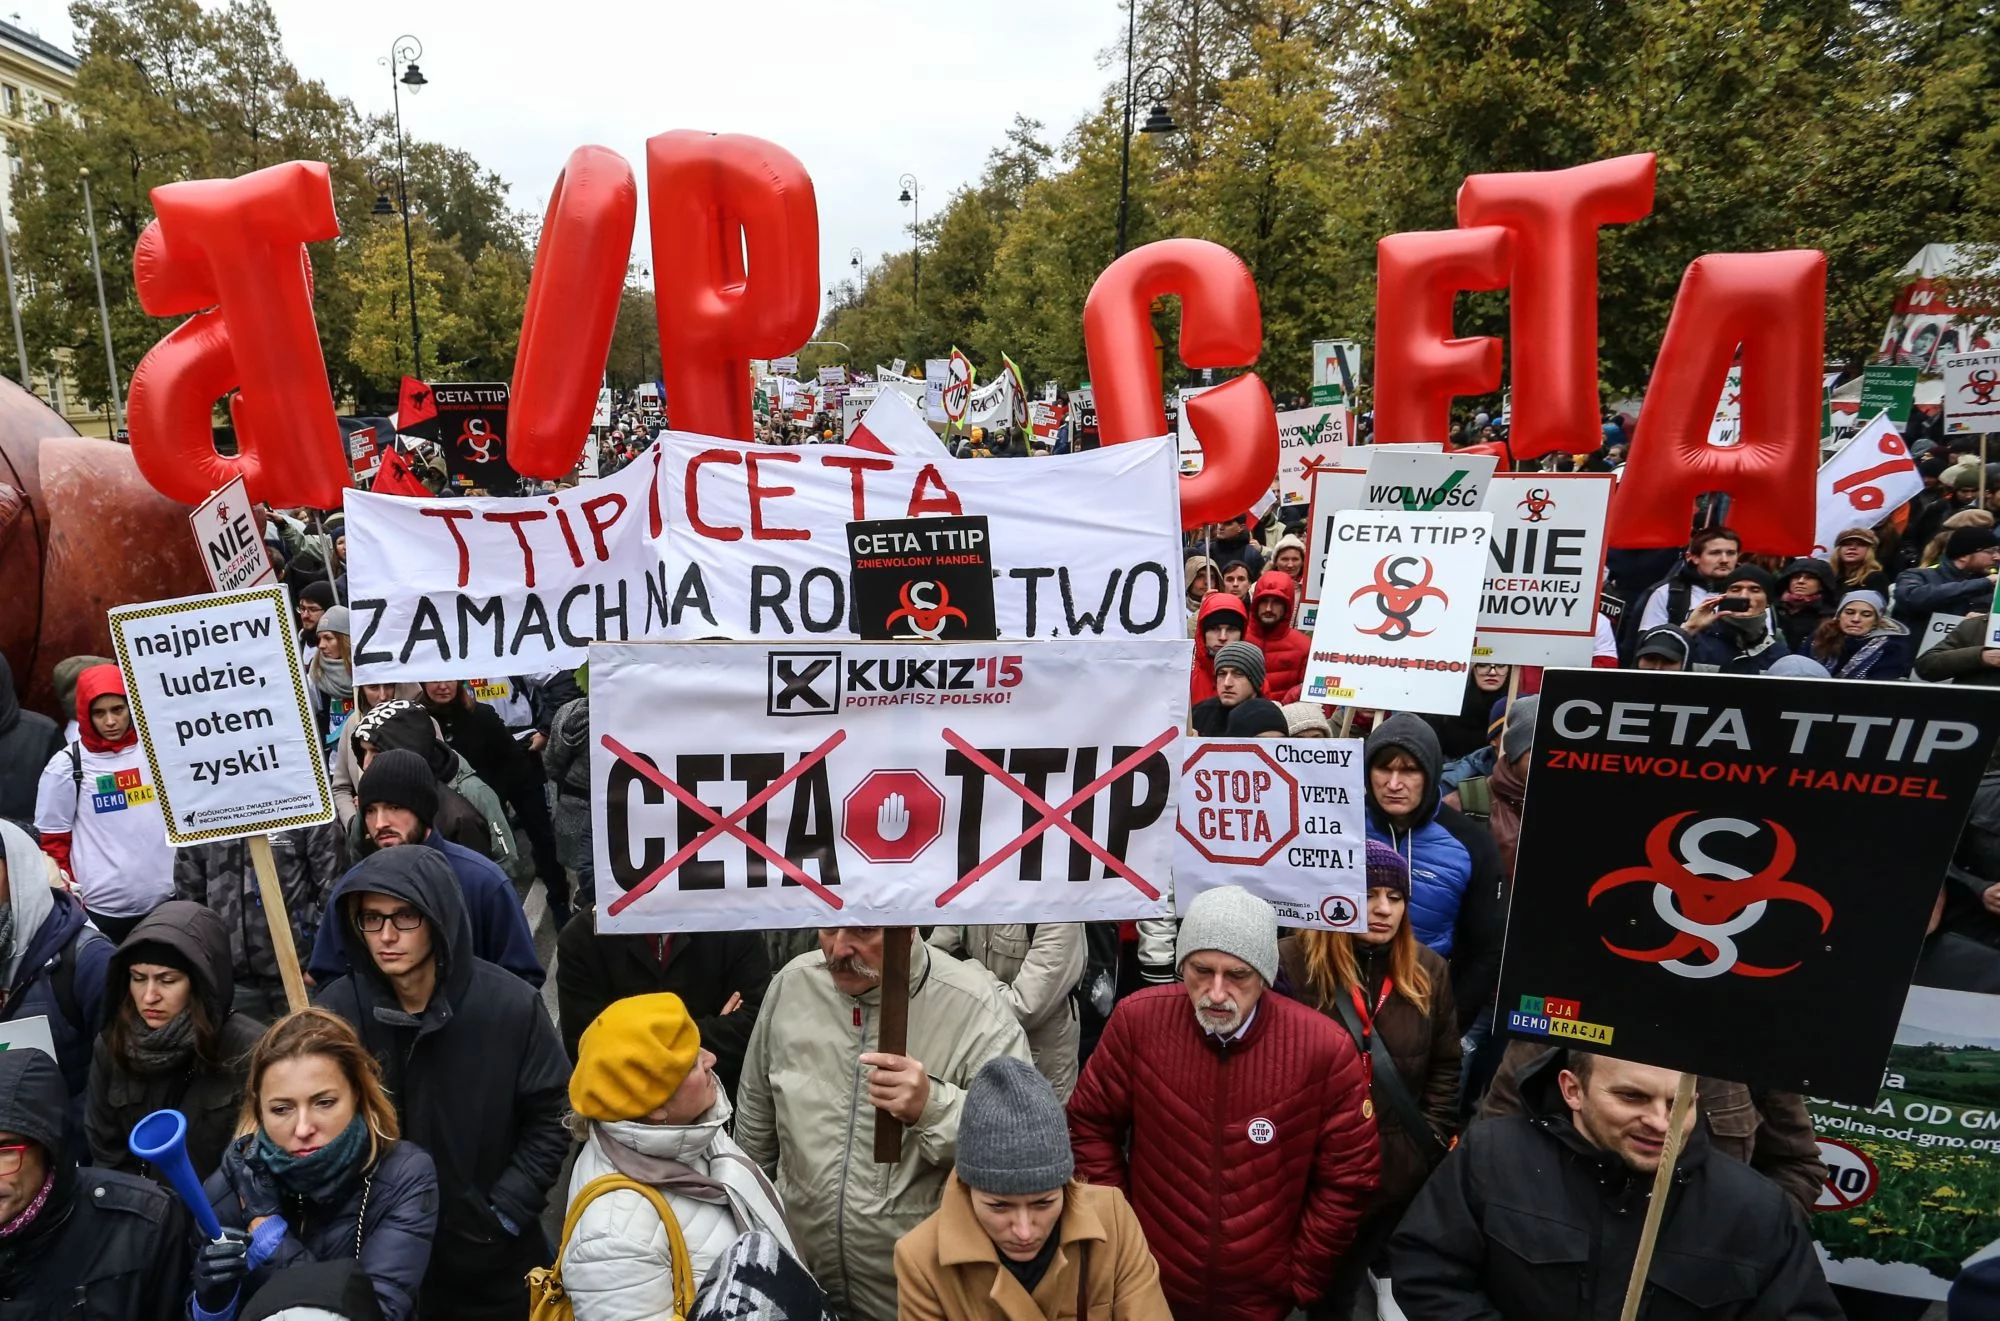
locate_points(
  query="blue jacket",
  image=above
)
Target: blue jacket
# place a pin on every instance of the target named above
(1457, 905)
(402, 1211)
(34, 991)
(499, 928)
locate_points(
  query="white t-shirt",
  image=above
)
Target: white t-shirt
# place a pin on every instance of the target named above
(118, 841)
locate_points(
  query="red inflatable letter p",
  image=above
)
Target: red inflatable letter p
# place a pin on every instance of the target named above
(735, 269)
(232, 253)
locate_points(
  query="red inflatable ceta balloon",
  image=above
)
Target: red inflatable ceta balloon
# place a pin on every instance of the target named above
(1221, 326)
(1552, 218)
(1774, 305)
(572, 310)
(1419, 365)
(712, 198)
(232, 253)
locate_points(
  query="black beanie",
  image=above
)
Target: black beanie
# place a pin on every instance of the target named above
(1256, 716)
(400, 778)
(1754, 573)
(319, 592)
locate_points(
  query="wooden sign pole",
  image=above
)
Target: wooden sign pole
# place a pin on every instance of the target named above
(893, 1038)
(1656, 1206)
(279, 921)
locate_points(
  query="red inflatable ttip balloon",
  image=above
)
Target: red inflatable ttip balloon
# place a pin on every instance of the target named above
(1553, 217)
(573, 295)
(1221, 326)
(1774, 305)
(232, 253)
(1419, 366)
(710, 197)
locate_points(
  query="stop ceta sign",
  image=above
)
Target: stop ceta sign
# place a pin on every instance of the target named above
(1245, 805)
(892, 816)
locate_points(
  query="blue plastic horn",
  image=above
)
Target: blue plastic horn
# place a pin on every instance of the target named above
(160, 1139)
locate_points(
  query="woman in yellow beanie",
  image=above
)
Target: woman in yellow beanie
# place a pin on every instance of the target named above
(647, 1104)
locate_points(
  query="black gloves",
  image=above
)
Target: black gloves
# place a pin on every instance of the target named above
(219, 1269)
(253, 1183)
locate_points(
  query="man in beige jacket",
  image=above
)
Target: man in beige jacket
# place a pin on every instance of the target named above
(1038, 967)
(813, 1078)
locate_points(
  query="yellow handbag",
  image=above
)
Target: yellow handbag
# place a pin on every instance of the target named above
(546, 1299)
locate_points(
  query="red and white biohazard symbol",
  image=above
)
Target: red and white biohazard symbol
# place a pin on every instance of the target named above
(1397, 599)
(1708, 902)
(926, 617)
(477, 440)
(1536, 505)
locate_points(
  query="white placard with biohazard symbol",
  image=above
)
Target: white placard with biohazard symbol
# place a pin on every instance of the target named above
(1399, 601)
(742, 786)
(1545, 568)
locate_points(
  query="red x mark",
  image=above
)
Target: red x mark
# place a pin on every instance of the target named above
(1314, 464)
(1053, 816)
(722, 823)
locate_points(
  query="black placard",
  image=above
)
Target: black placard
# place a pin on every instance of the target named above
(471, 427)
(922, 579)
(1731, 875)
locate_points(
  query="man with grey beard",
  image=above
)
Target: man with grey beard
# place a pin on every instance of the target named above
(813, 1079)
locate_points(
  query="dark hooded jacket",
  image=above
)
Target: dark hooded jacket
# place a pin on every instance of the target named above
(1458, 904)
(209, 1094)
(105, 1246)
(1465, 733)
(479, 1079)
(475, 732)
(500, 933)
(28, 740)
(1798, 625)
(60, 975)
(1528, 1219)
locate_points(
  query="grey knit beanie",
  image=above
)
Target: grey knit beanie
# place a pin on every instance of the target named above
(1519, 734)
(1243, 657)
(1012, 1136)
(1234, 921)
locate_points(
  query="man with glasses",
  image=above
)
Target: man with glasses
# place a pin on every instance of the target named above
(474, 1067)
(397, 800)
(89, 1243)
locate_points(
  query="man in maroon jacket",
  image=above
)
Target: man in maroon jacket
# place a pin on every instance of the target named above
(1237, 1123)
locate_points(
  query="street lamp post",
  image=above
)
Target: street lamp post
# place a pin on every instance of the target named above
(1157, 120)
(915, 202)
(406, 51)
(103, 308)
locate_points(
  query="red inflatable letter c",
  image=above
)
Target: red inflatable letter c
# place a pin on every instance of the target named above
(1221, 326)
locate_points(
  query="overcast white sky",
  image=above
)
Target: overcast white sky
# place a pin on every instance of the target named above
(860, 91)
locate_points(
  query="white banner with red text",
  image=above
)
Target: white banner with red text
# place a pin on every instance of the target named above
(742, 786)
(703, 538)
(1871, 478)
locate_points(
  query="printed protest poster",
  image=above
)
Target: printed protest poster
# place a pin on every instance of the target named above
(1913, 1180)
(1867, 481)
(1336, 369)
(1888, 389)
(600, 416)
(936, 372)
(1726, 919)
(1187, 443)
(1971, 392)
(853, 408)
(1545, 569)
(1424, 481)
(1937, 629)
(707, 538)
(922, 579)
(220, 706)
(232, 549)
(1310, 439)
(1331, 489)
(1284, 819)
(1725, 430)
(743, 786)
(29, 1034)
(472, 428)
(1400, 599)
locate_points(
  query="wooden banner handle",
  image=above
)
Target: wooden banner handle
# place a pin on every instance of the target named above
(1656, 1206)
(894, 1035)
(279, 921)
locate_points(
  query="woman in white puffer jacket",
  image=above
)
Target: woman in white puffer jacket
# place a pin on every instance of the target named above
(647, 1105)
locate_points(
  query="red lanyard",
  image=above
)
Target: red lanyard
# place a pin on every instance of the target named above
(1368, 1021)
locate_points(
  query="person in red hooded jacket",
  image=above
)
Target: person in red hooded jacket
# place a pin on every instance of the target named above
(1220, 620)
(98, 814)
(1272, 601)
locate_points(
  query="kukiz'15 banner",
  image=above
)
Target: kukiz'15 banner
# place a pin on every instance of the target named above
(1283, 818)
(1731, 875)
(739, 786)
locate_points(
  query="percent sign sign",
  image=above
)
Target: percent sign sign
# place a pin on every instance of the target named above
(1858, 486)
